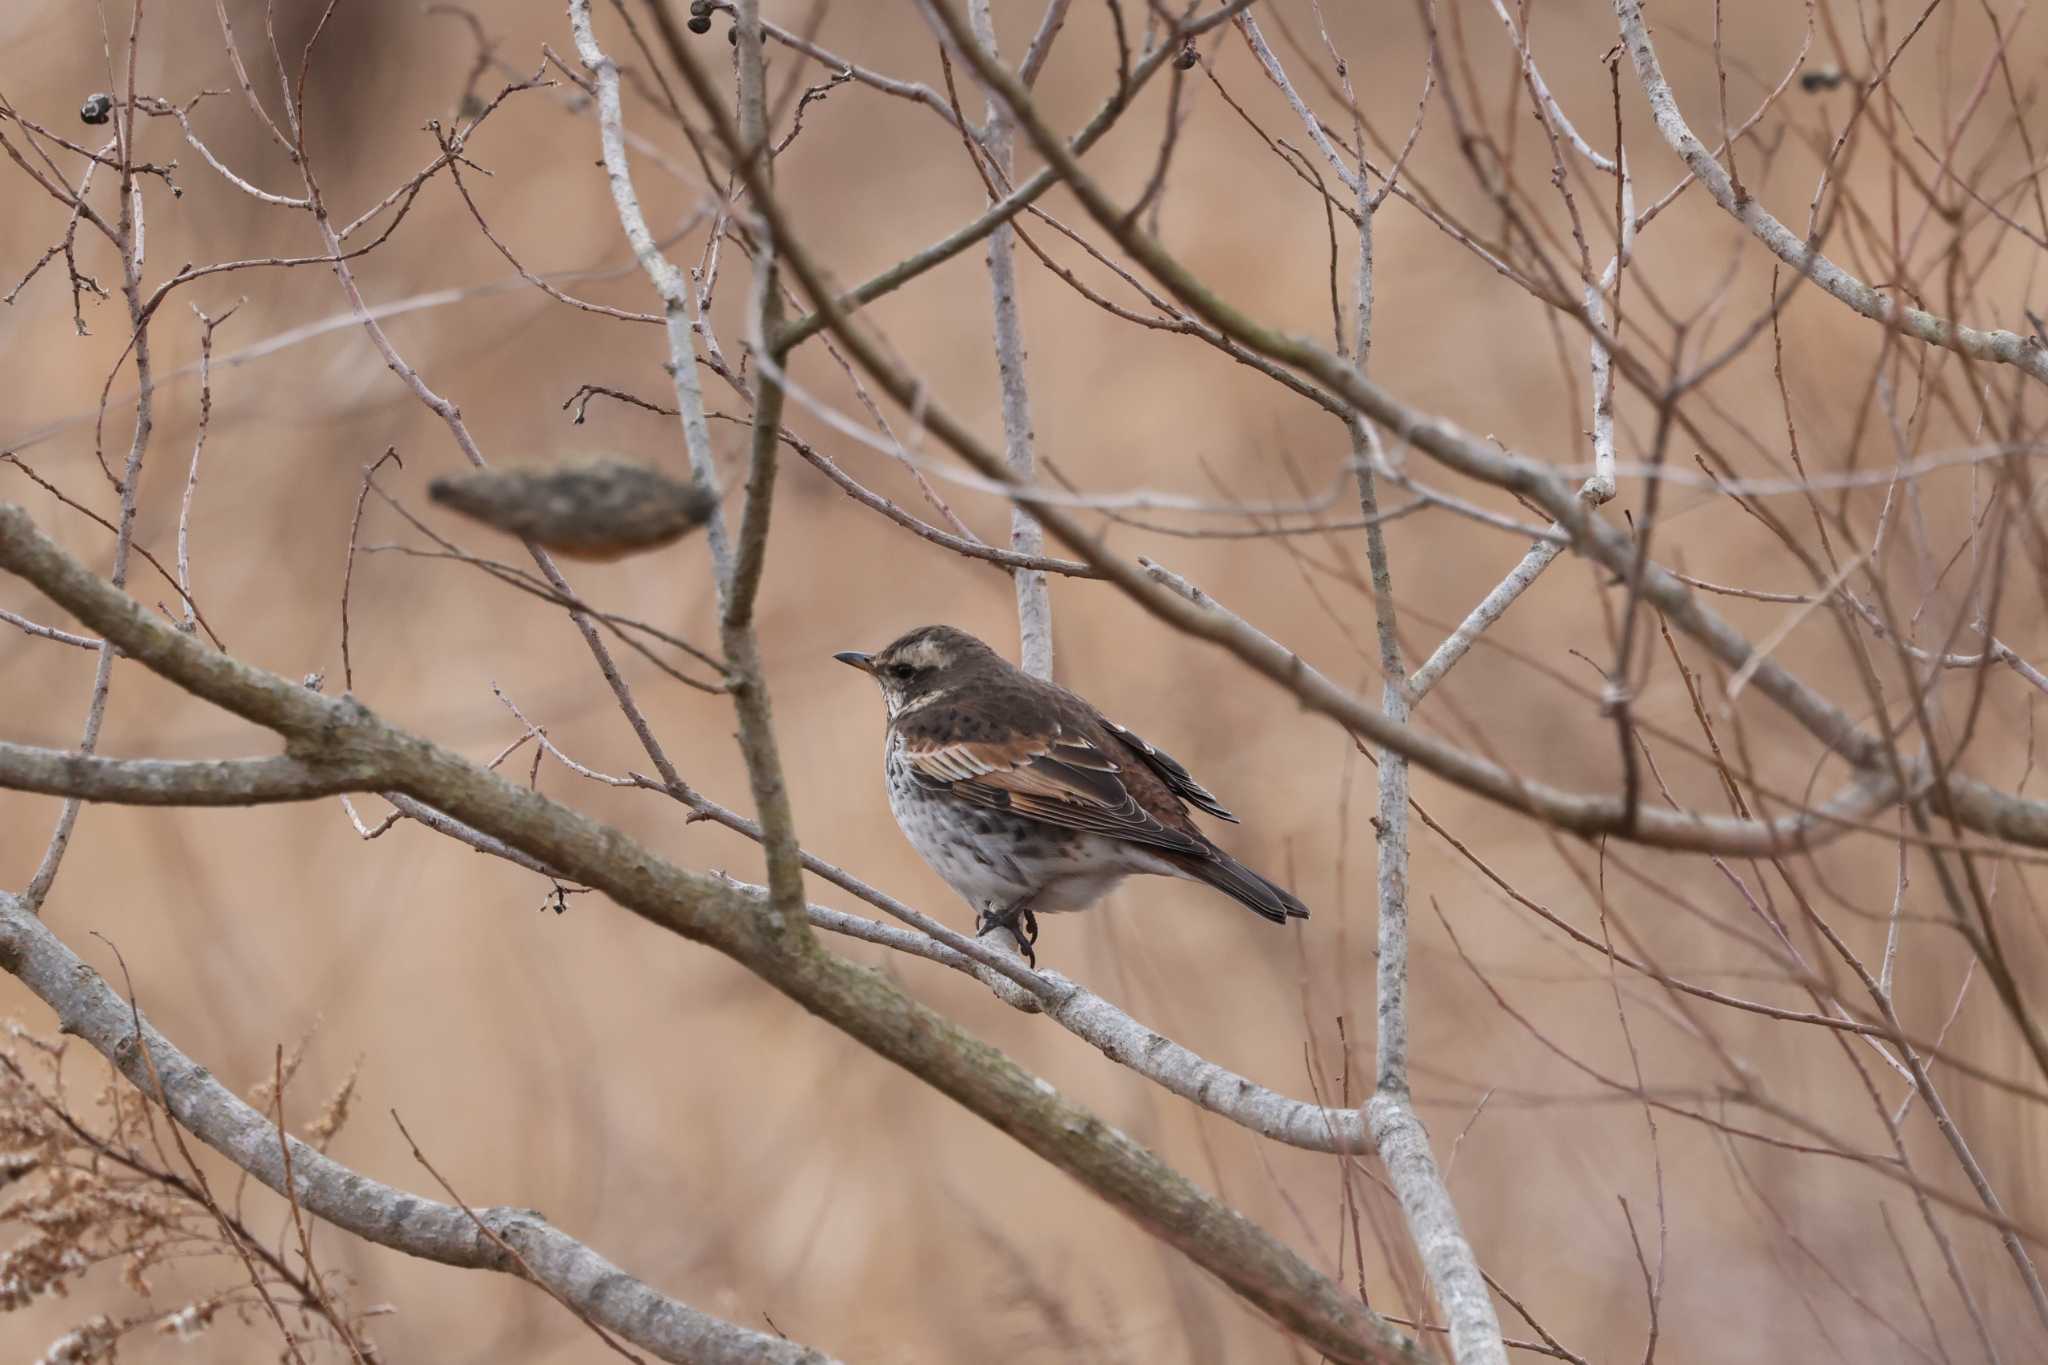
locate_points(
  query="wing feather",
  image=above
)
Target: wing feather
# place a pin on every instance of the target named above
(1064, 779)
(1177, 778)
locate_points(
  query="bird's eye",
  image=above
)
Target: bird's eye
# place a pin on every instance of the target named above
(900, 672)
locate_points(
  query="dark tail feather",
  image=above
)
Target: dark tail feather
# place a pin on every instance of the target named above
(1246, 887)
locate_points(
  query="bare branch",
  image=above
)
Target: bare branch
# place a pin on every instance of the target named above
(175, 782)
(2028, 353)
(90, 1009)
(1034, 600)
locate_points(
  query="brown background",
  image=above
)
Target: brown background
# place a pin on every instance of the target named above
(660, 1103)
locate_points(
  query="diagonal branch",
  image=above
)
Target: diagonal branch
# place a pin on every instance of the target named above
(89, 1008)
(863, 1004)
(2009, 348)
(1975, 805)
(1589, 815)
(736, 566)
(1012, 204)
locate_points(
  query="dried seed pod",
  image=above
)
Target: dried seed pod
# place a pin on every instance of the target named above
(591, 509)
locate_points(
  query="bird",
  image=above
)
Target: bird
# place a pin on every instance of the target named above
(1024, 798)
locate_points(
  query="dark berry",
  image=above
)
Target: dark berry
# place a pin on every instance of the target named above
(97, 108)
(698, 23)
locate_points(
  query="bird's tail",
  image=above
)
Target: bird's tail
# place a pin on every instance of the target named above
(1246, 887)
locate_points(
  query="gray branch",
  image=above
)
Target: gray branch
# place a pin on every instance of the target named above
(78, 775)
(737, 566)
(678, 302)
(1398, 1133)
(1027, 537)
(2009, 348)
(87, 1007)
(43, 632)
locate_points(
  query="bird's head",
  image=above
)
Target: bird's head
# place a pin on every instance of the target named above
(921, 666)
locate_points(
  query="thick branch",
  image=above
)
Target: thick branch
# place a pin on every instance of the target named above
(710, 910)
(174, 782)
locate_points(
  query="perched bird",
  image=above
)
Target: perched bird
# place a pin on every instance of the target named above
(1026, 798)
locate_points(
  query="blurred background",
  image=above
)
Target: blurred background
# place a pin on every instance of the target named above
(684, 1119)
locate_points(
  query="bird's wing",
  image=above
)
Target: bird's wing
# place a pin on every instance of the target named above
(1063, 778)
(1177, 779)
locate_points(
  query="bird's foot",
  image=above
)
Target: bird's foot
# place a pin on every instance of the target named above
(1022, 923)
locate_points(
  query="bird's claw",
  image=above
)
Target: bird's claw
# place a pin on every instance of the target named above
(1022, 923)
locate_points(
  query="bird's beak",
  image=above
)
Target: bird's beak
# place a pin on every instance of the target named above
(864, 662)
